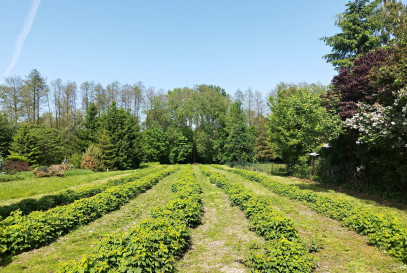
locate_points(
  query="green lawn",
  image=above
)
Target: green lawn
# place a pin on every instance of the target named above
(37, 186)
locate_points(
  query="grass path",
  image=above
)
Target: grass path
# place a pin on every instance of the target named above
(35, 187)
(80, 241)
(343, 250)
(222, 241)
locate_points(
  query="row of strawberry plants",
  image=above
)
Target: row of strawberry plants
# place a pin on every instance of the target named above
(68, 196)
(284, 250)
(386, 231)
(155, 244)
(19, 233)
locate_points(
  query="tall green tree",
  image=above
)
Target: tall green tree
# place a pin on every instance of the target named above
(7, 130)
(155, 145)
(107, 152)
(181, 145)
(239, 144)
(263, 150)
(40, 145)
(35, 90)
(124, 131)
(365, 26)
(299, 123)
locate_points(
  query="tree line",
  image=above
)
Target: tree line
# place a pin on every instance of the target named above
(120, 125)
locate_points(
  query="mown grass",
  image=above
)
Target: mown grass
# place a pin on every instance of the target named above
(268, 168)
(342, 250)
(81, 241)
(221, 243)
(37, 186)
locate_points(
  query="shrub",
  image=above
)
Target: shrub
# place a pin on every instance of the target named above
(12, 166)
(68, 196)
(291, 254)
(76, 160)
(20, 233)
(384, 231)
(156, 243)
(91, 158)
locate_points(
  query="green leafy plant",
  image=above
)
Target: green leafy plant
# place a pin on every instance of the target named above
(156, 243)
(385, 231)
(284, 251)
(19, 233)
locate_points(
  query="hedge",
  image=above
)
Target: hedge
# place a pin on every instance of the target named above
(19, 233)
(155, 244)
(386, 231)
(284, 250)
(65, 197)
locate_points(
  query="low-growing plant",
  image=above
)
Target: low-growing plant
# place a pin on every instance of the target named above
(156, 243)
(65, 197)
(19, 233)
(284, 251)
(385, 231)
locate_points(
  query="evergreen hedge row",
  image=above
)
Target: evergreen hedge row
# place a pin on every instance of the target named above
(68, 196)
(19, 233)
(156, 243)
(386, 231)
(284, 251)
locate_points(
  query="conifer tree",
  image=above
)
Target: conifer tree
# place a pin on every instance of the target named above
(263, 148)
(124, 134)
(107, 152)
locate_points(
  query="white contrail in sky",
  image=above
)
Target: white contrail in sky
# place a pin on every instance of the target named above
(21, 37)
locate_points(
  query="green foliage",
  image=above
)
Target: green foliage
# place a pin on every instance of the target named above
(156, 243)
(155, 146)
(107, 152)
(124, 134)
(299, 123)
(91, 158)
(384, 231)
(281, 255)
(41, 146)
(7, 130)
(75, 160)
(264, 152)
(66, 197)
(365, 27)
(181, 145)
(291, 254)
(20, 233)
(9, 177)
(89, 132)
(239, 144)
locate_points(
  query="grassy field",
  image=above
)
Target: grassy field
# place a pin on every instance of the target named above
(31, 187)
(268, 168)
(222, 241)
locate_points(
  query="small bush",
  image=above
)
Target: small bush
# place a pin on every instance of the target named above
(75, 160)
(8, 178)
(12, 166)
(91, 158)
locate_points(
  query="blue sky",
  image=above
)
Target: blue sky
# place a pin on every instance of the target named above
(168, 44)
